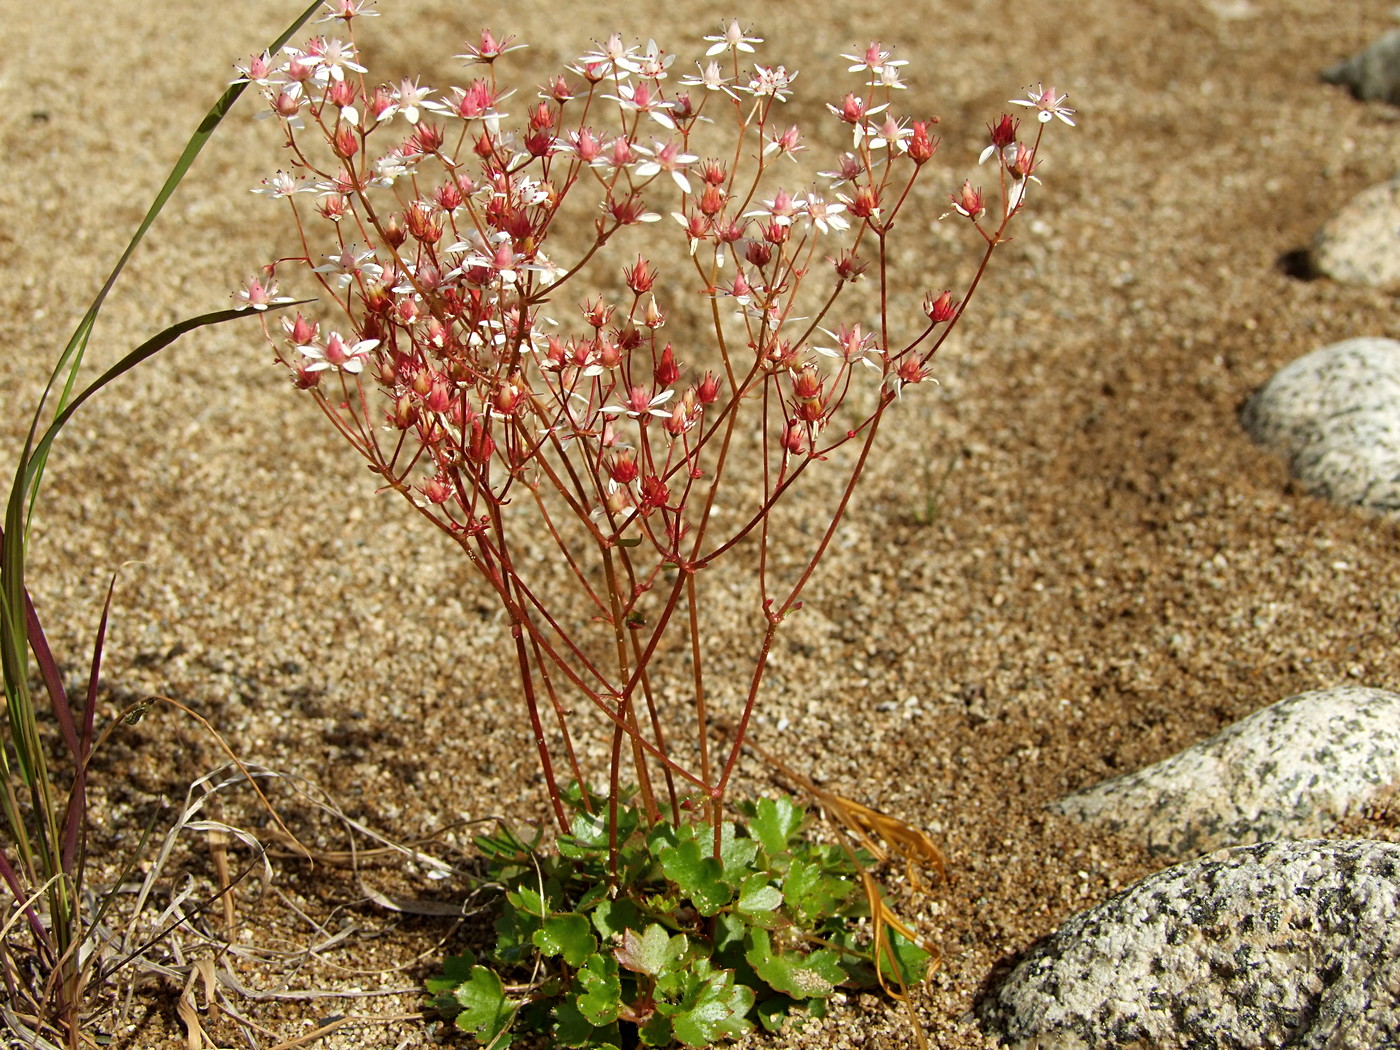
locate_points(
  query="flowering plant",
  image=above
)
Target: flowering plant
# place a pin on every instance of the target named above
(513, 432)
(594, 470)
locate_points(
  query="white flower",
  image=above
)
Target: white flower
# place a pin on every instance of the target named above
(338, 354)
(775, 81)
(350, 264)
(1046, 104)
(283, 185)
(732, 38)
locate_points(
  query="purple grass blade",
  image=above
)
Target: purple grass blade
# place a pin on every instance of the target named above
(75, 820)
(36, 924)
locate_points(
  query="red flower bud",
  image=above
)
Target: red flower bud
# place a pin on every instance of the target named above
(940, 309)
(667, 371)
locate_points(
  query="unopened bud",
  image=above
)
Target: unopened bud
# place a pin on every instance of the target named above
(622, 467)
(394, 233)
(480, 444)
(640, 276)
(940, 309)
(667, 371)
(346, 143)
(438, 489)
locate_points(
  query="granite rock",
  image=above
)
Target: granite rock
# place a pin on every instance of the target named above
(1360, 245)
(1372, 73)
(1291, 770)
(1281, 944)
(1335, 415)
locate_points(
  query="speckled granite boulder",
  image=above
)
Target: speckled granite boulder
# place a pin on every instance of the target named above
(1284, 944)
(1361, 244)
(1373, 73)
(1291, 770)
(1335, 415)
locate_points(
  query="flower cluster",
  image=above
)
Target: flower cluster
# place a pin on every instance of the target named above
(441, 226)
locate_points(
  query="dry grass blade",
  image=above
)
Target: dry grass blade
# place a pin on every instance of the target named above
(868, 826)
(875, 831)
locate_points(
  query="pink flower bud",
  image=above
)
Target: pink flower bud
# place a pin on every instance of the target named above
(287, 104)
(910, 371)
(301, 331)
(448, 196)
(346, 143)
(794, 440)
(439, 397)
(1005, 131)
(667, 371)
(850, 266)
(921, 144)
(596, 312)
(865, 204)
(968, 201)
(380, 102)
(622, 466)
(480, 444)
(341, 94)
(438, 489)
(423, 224)
(713, 173)
(621, 152)
(558, 89)
(639, 277)
(506, 399)
(711, 201)
(405, 412)
(807, 383)
(940, 309)
(394, 233)
(708, 390)
(851, 110)
(654, 492)
(586, 145)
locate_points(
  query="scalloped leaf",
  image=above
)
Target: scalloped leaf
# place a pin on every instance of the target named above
(486, 1011)
(567, 934)
(792, 973)
(774, 823)
(701, 878)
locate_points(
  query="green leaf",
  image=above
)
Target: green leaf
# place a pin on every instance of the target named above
(812, 894)
(612, 917)
(794, 974)
(713, 1010)
(773, 1012)
(758, 901)
(455, 970)
(701, 878)
(526, 899)
(571, 1028)
(600, 999)
(910, 962)
(656, 1031)
(567, 934)
(589, 837)
(736, 854)
(486, 1011)
(775, 822)
(651, 952)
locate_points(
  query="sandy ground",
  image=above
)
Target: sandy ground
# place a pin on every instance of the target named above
(1111, 571)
